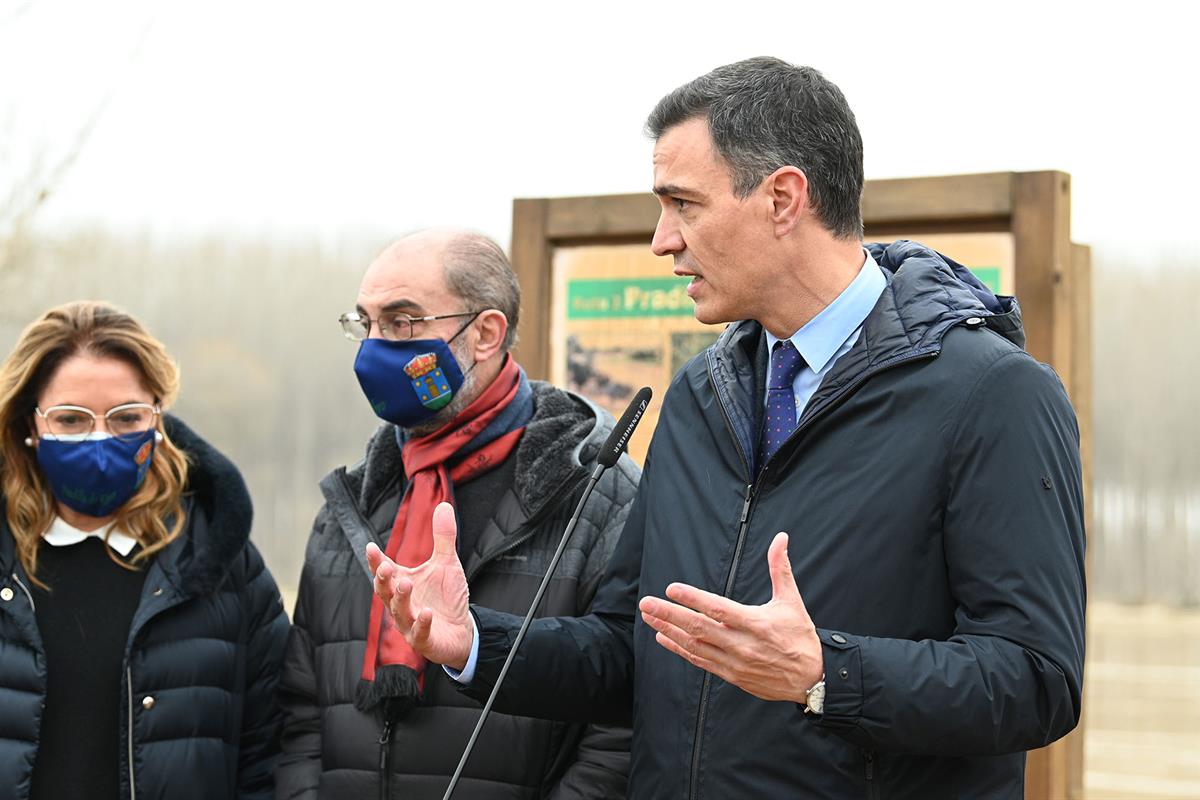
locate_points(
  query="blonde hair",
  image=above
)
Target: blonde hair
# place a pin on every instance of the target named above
(100, 330)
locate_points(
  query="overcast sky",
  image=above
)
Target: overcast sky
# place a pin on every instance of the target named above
(338, 118)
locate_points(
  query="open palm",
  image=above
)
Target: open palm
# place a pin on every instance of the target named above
(429, 602)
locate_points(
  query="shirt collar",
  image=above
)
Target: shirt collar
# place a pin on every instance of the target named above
(61, 534)
(824, 335)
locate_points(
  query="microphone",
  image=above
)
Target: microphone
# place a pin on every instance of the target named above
(620, 435)
(613, 447)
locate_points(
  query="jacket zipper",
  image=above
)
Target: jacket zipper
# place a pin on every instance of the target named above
(833, 402)
(129, 696)
(385, 775)
(707, 683)
(25, 589)
(129, 730)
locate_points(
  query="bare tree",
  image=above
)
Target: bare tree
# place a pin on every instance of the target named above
(35, 172)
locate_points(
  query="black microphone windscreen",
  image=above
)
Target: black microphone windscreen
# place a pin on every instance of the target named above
(620, 435)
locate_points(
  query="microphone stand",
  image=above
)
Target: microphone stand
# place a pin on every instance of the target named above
(512, 653)
(609, 454)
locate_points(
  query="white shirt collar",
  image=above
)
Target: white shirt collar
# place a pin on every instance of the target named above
(820, 340)
(61, 534)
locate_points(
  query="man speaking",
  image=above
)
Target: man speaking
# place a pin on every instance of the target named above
(854, 567)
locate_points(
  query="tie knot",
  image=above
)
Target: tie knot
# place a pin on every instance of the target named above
(786, 363)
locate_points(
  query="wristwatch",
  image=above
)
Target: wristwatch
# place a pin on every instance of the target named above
(815, 698)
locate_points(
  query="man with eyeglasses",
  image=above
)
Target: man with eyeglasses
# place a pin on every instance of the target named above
(366, 716)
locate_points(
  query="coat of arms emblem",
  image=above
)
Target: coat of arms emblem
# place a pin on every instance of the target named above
(429, 381)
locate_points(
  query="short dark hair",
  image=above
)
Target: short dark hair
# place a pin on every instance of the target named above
(763, 114)
(478, 271)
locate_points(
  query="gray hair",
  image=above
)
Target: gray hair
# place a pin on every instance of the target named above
(478, 271)
(763, 114)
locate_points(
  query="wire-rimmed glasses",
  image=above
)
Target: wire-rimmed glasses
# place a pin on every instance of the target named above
(75, 423)
(394, 325)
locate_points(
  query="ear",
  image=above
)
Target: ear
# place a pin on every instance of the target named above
(788, 191)
(491, 326)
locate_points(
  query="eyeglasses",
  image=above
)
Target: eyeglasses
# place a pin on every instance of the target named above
(74, 423)
(392, 325)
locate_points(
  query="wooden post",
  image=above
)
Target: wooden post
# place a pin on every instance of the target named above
(532, 261)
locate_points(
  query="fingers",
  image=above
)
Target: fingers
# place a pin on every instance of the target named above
(662, 615)
(713, 606)
(385, 574)
(783, 581)
(445, 531)
(421, 628)
(693, 658)
(683, 641)
(400, 604)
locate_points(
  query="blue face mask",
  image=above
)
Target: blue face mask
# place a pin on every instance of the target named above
(409, 381)
(96, 475)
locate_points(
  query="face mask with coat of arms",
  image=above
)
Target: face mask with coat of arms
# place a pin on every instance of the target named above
(408, 381)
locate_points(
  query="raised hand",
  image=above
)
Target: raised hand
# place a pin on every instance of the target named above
(771, 651)
(428, 603)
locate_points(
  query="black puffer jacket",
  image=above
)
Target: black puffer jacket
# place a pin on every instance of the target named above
(933, 498)
(511, 520)
(206, 644)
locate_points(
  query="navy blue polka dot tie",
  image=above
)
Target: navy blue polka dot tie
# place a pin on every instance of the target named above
(786, 363)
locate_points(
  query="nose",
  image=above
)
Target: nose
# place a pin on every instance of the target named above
(667, 238)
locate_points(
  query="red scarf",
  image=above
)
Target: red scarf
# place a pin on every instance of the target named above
(430, 483)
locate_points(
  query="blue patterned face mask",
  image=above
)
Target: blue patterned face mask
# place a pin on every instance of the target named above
(97, 473)
(407, 381)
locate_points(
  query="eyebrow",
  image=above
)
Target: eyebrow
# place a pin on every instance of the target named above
(665, 189)
(402, 304)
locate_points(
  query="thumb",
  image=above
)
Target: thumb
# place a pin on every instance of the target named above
(445, 531)
(783, 582)
(375, 557)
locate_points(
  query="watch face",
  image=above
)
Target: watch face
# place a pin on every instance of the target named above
(816, 698)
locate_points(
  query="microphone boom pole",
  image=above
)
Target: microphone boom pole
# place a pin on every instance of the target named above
(613, 447)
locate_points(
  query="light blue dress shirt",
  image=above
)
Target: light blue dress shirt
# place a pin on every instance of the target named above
(827, 337)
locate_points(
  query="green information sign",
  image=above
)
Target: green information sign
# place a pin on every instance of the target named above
(610, 298)
(990, 277)
(628, 297)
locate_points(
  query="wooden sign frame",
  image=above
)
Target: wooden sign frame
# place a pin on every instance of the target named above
(1052, 282)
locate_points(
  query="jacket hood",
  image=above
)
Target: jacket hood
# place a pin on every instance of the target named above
(565, 433)
(219, 512)
(932, 293)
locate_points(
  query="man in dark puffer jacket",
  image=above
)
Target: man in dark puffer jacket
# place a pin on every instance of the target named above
(203, 656)
(350, 736)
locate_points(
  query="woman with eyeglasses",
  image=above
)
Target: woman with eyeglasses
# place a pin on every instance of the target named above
(140, 632)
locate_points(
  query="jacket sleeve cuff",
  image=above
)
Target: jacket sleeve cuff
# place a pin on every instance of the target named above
(468, 673)
(843, 680)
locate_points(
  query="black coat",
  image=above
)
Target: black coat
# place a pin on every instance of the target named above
(510, 521)
(933, 495)
(206, 644)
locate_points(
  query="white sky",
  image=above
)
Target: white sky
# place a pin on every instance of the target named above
(329, 119)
